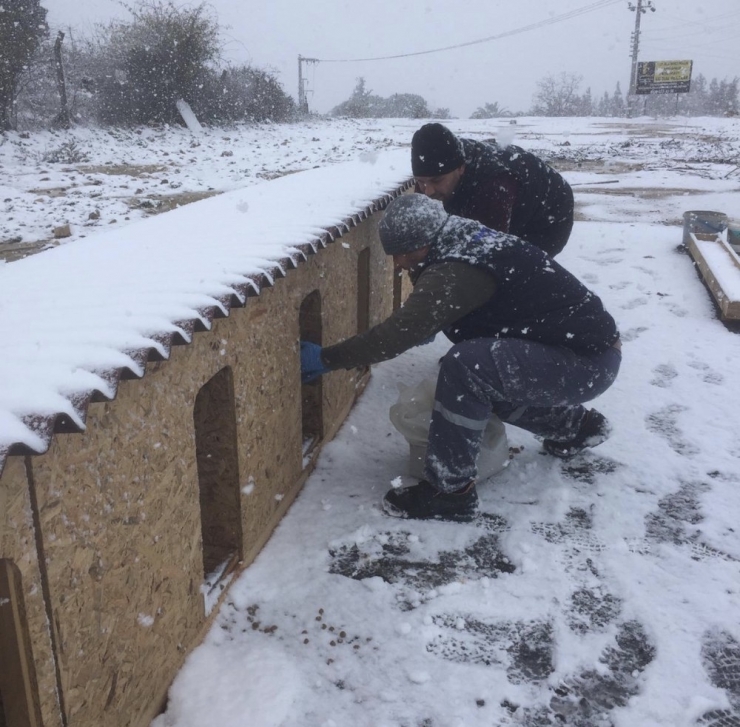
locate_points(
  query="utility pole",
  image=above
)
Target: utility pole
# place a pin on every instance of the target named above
(642, 7)
(302, 99)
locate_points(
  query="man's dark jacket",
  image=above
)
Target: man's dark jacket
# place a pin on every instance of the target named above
(478, 283)
(512, 190)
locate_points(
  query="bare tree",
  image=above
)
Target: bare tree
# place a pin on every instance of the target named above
(558, 95)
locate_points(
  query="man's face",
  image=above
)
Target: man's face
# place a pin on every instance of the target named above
(441, 187)
(410, 260)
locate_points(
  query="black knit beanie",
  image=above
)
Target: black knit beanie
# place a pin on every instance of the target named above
(435, 150)
(410, 222)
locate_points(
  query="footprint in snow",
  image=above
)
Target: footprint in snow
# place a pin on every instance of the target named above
(592, 609)
(588, 699)
(587, 467)
(721, 657)
(632, 333)
(676, 521)
(575, 531)
(664, 375)
(664, 423)
(621, 285)
(634, 303)
(524, 648)
(709, 376)
(390, 556)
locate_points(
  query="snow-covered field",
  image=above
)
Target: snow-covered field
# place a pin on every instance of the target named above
(92, 179)
(600, 591)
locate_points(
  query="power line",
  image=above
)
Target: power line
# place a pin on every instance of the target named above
(700, 21)
(678, 32)
(533, 26)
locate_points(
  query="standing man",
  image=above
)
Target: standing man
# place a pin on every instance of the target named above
(531, 345)
(504, 188)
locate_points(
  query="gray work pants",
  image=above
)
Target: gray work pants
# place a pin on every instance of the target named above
(531, 385)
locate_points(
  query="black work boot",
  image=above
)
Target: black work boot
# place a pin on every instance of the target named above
(594, 430)
(424, 502)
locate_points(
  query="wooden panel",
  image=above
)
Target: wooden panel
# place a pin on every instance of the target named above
(717, 263)
(20, 540)
(18, 689)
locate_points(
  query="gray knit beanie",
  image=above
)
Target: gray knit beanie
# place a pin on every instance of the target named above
(410, 222)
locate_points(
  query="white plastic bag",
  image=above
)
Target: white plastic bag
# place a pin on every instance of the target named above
(412, 414)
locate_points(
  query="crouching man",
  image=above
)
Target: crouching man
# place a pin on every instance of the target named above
(531, 344)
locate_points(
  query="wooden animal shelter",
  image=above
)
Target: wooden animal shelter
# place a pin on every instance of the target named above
(114, 541)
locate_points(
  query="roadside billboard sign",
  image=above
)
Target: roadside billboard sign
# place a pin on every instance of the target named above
(663, 77)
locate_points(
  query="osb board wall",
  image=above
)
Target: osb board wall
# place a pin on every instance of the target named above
(17, 543)
(119, 506)
(340, 316)
(268, 412)
(119, 516)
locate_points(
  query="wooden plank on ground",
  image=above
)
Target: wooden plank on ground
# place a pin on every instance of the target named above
(719, 265)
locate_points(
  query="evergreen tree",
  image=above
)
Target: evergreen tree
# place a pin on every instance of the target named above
(586, 105)
(697, 96)
(726, 103)
(618, 106)
(360, 105)
(714, 105)
(22, 28)
(731, 100)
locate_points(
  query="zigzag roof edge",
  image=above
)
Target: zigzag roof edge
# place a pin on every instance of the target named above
(45, 426)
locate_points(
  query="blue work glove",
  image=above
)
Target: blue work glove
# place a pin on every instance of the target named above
(311, 364)
(429, 340)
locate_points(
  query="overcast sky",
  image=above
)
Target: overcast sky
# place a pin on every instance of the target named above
(594, 44)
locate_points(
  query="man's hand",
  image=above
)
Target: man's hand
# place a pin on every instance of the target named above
(311, 364)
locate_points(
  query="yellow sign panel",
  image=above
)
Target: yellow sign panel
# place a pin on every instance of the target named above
(663, 77)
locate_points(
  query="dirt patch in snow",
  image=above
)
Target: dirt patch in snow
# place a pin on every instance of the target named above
(598, 166)
(129, 170)
(154, 204)
(11, 251)
(642, 193)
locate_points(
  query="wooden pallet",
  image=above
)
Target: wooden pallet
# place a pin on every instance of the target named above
(719, 265)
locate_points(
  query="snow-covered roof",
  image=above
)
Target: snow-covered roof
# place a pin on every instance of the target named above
(76, 319)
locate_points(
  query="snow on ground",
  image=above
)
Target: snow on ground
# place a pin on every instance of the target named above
(600, 591)
(92, 179)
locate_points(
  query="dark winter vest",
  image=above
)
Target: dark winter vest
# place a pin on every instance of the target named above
(541, 192)
(535, 299)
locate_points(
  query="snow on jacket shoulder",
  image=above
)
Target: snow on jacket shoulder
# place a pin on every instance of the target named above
(478, 283)
(511, 190)
(536, 298)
